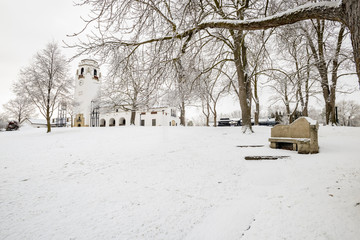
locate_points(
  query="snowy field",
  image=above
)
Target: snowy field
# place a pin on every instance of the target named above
(176, 183)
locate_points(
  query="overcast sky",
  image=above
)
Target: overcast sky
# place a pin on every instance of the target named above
(27, 26)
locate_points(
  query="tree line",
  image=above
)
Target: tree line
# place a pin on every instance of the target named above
(182, 52)
(41, 86)
(206, 49)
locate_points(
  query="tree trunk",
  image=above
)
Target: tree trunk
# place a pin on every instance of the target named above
(321, 65)
(352, 16)
(48, 124)
(244, 83)
(299, 80)
(257, 103)
(215, 118)
(332, 114)
(207, 120)
(305, 111)
(257, 113)
(334, 76)
(327, 111)
(132, 118)
(245, 105)
(182, 114)
(288, 112)
(206, 113)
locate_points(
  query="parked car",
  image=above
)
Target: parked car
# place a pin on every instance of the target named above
(239, 122)
(224, 122)
(12, 126)
(267, 122)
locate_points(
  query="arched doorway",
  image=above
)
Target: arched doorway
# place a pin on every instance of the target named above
(102, 123)
(122, 122)
(112, 122)
(79, 120)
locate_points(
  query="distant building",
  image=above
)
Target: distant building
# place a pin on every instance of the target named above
(36, 123)
(41, 123)
(89, 114)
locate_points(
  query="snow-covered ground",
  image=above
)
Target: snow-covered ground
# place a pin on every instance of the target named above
(176, 183)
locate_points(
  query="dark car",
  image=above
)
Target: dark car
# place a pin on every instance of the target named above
(224, 122)
(12, 126)
(239, 122)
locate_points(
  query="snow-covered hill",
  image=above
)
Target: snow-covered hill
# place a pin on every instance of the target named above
(176, 183)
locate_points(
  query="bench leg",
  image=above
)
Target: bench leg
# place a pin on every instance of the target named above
(304, 148)
(273, 144)
(294, 147)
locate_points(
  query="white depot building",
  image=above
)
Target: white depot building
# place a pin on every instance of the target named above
(87, 114)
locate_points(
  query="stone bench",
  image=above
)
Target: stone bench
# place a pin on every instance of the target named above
(301, 136)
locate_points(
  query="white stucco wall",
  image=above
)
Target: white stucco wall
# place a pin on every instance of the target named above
(163, 117)
(117, 116)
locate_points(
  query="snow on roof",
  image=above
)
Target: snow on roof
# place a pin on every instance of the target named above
(159, 107)
(37, 121)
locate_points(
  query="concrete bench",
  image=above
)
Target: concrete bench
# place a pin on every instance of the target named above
(301, 136)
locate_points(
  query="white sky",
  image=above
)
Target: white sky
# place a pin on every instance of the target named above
(27, 26)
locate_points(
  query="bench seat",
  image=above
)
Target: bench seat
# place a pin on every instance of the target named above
(301, 145)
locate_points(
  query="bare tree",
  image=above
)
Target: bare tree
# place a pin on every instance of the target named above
(327, 52)
(132, 84)
(19, 108)
(160, 21)
(71, 106)
(184, 85)
(211, 88)
(284, 85)
(345, 12)
(296, 60)
(259, 61)
(165, 17)
(349, 113)
(3, 121)
(205, 109)
(45, 81)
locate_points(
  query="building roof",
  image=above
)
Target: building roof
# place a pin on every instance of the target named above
(36, 121)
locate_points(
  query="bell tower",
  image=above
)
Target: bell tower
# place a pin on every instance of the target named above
(87, 91)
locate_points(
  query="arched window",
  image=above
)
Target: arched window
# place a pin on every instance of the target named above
(95, 73)
(122, 122)
(112, 122)
(102, 123)
(82, 71)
